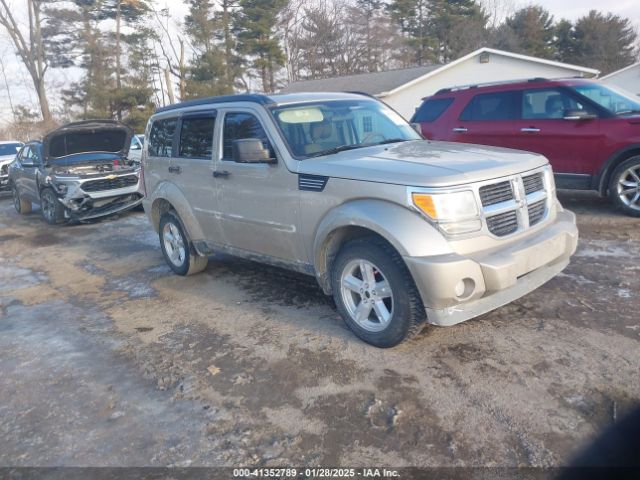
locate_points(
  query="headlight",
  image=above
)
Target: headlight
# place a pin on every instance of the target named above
(455, 213)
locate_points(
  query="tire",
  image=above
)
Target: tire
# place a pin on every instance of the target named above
(177, 249)
(23, 207)
(356, 297)
(624, 186)
(52, 210)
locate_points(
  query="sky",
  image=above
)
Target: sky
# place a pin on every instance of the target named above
(22, 93)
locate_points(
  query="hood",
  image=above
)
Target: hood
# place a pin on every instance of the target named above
(7, 158)
(82, 138)
(424, 163)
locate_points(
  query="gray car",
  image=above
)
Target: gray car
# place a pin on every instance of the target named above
(78, 172)
(400, 230)
(8, 152)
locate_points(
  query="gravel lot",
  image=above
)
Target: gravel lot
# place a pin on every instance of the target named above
(108, 359)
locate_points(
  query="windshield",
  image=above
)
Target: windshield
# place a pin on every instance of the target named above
(322, 128)
(615, 100)
(9, 148)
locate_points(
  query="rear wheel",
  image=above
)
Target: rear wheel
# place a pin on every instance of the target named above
(624, 187)
(176, 247)
(52, 209)
(375, 293)
(23, 207)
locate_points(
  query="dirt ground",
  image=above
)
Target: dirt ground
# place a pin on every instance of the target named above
(108, 359)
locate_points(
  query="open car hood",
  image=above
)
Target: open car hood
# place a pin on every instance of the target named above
(87, 137)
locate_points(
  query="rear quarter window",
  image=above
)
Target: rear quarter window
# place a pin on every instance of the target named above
(492, 106)
(431, 110)
(161, 137)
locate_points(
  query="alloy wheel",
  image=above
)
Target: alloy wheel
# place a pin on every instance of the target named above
(367, 295)
(173, 244)
(628, 187)
(48, 205)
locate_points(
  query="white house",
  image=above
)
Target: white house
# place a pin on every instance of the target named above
(627, 78)
(404, 89)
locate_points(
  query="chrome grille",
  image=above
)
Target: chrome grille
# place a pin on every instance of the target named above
(533, 183)
(503, 223)
(515, 204)
(536, 211)
(110, 183)
(496, 193)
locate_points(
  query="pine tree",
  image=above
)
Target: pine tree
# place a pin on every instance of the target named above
(257, 40)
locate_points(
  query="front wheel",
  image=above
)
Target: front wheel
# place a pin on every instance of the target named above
(375, 293)
(52, 209)
(624, 187)
(176, 247)
(23, 207)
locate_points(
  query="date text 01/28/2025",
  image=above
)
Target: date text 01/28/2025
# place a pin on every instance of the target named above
(315, 473)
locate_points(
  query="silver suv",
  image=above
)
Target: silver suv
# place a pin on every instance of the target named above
(400, 230)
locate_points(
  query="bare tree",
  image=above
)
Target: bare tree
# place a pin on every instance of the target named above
(30, 48)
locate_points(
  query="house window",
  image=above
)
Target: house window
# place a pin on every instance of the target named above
(367, 124)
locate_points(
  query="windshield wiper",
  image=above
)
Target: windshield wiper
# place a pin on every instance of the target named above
(391, 140)
(341, 148)
(625, 112)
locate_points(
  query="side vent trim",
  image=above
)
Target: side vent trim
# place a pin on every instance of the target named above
(312, 183)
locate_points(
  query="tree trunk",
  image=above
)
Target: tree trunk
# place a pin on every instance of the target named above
(118, 54)
(167, 78)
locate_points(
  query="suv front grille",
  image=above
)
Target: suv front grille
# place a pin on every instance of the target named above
(515, 204)
(533, 183)
(536, 211)
(110, 184)
(4, 170)
(503, 223)
(496, 193)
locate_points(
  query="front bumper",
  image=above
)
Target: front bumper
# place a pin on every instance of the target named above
(84, 205)
(456, 288)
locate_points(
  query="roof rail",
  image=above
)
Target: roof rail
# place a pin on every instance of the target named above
(245, 97)
(489, 84)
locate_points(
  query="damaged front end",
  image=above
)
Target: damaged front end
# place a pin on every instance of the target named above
(88, 169)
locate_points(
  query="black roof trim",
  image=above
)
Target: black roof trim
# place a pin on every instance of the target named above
(248, 97)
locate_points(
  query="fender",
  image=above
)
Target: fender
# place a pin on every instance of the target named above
(406, 230)
(601, 180)
(170, 193)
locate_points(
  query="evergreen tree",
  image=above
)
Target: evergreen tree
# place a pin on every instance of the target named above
(257, 40)
(530, 31)
(459, 26)
(606, 42)
(413, 17)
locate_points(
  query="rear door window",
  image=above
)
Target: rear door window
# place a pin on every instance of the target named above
(161, 137)
(431, 110)
(492, 106)
(196, 137)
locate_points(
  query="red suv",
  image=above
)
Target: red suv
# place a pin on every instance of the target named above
(590, 132)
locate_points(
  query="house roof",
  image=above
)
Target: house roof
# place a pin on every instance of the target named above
(613, 74)
(392, 81)
(372, 83)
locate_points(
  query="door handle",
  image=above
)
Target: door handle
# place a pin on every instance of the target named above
(530, 130)
(221, 174)
(175, 169)
(460, 129)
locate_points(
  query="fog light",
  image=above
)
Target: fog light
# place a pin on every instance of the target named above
(464, 288)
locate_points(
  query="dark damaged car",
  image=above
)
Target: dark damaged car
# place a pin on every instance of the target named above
(78, 172)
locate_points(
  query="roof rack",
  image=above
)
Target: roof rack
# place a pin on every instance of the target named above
(245, 97)
(490, 84)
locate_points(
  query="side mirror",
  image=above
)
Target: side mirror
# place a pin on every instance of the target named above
(250, 150)
(135, 146)
(27, 162)
(417, 128)
(578, 115)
